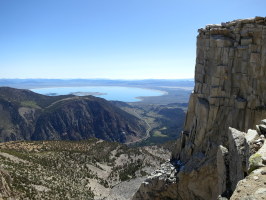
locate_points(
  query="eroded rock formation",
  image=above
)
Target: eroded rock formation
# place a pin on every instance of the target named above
(230, 91)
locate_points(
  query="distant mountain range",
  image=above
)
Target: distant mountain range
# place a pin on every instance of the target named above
(25, 115)
(33, 83)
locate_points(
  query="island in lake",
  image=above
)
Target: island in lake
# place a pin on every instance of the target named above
(88, 93)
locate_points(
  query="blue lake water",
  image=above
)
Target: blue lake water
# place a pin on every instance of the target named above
(126, 94)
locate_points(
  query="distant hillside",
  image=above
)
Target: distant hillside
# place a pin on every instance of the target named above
(25, 115)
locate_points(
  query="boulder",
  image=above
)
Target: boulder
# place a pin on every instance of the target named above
(161, 184)
(262, 128)
(252, 187)
(263, 121)
(238, 156)
(255, 162)
(251, 136)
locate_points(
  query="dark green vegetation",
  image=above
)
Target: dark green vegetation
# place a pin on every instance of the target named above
(164, 121)
(25, 115)
(75, 169)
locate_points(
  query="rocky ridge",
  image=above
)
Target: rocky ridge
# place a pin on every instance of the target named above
(25, 115)
(230, 91)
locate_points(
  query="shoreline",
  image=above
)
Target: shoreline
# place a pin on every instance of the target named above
(137, 98)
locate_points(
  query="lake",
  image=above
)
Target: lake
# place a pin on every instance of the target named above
(114, 93)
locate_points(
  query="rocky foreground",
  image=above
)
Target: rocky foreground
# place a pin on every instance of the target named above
(230, 91)
(92, 169)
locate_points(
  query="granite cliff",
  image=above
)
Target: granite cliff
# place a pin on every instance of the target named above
(213, 153)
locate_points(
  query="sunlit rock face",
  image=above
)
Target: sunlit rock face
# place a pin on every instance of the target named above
(230, 87)
(230, 91)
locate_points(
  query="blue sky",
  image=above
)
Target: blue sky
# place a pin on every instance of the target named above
(115, 39)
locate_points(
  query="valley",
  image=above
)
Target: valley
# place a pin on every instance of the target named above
(153, 119)
(164, 122)
(71, 147)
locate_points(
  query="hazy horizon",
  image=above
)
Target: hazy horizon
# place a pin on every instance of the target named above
(118, 40)
(78, 83)
(111, 79)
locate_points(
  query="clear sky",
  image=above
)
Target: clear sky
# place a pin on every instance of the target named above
(115, 39)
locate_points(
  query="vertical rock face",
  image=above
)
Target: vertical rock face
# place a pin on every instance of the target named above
(230, 87)
(230, 91)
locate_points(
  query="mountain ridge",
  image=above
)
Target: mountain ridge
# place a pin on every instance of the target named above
(27, 115)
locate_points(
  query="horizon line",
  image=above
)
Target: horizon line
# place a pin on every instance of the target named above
(95, 79)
